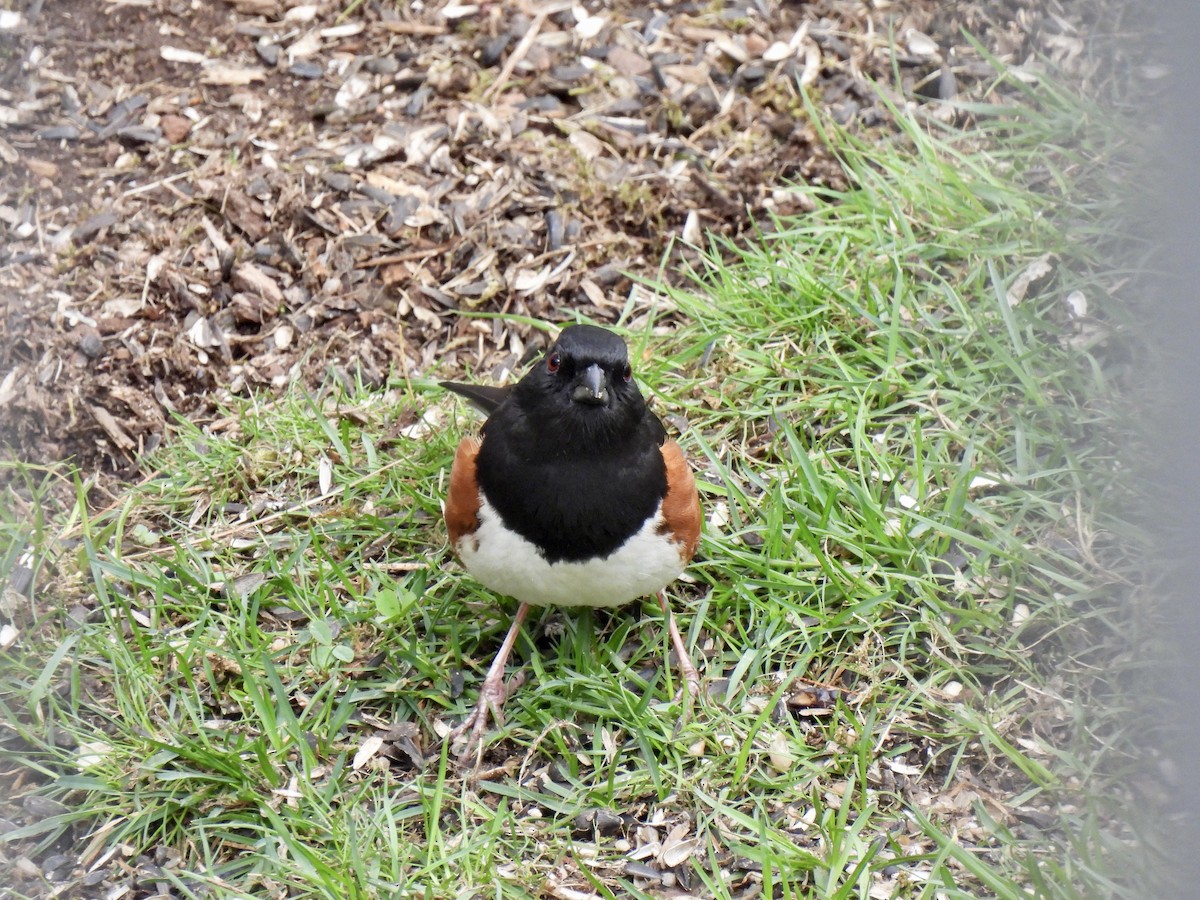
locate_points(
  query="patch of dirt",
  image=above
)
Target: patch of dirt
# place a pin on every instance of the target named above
(205, 199)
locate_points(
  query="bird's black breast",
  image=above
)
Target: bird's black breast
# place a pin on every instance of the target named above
(572, 503)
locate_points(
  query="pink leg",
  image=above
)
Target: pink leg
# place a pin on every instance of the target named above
(687, 668)
(492, 693)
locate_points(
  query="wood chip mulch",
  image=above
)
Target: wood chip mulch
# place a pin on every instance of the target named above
(201, 200)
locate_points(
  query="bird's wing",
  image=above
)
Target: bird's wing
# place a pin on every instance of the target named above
(485, 398)
(681, 505)
(462, 500)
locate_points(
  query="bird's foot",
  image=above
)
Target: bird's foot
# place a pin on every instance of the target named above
(492, 694)
(692, 688)
(690, 691)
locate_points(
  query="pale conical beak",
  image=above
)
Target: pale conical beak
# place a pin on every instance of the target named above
(591, 386)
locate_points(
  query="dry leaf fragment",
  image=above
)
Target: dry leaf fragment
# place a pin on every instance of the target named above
(425, 215)
(1034, 272)
(900, 767)
(732, 49)
(8, 387)
(687, 74)
(304, 13)
(42, 168)
(306, 46)
(587, 27)
(586, 144)
(204, 334)
(245, 584)
(779, 753)
(253, 280)
(562, 892)
(180, 55)
(12, 116)
(113, 428)
(677, 847)
(232, 76)
(812, 63)
(334, 32)
(90, 754)
(627, 62)
(422, 142)
(777, 52)
(291, 793)
(222, 246)
(367, 751)
(594, 293)
(1068, 47)
(527, 281)
(251, 104)
(983, 481)
(919, 44)
(1077, 304)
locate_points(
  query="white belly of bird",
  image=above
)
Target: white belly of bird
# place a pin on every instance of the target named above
(509, 564)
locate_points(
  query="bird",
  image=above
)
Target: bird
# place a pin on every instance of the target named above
(571, 495)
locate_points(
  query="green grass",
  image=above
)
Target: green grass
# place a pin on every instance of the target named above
(903, 602)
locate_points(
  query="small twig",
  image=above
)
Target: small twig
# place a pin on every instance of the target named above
(161, 182)
(408, 256)
(522, 48)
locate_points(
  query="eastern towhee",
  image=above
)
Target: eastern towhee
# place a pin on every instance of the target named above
(571, 496)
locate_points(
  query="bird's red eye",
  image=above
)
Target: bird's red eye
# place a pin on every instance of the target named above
(627, 372)
(553, 363)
